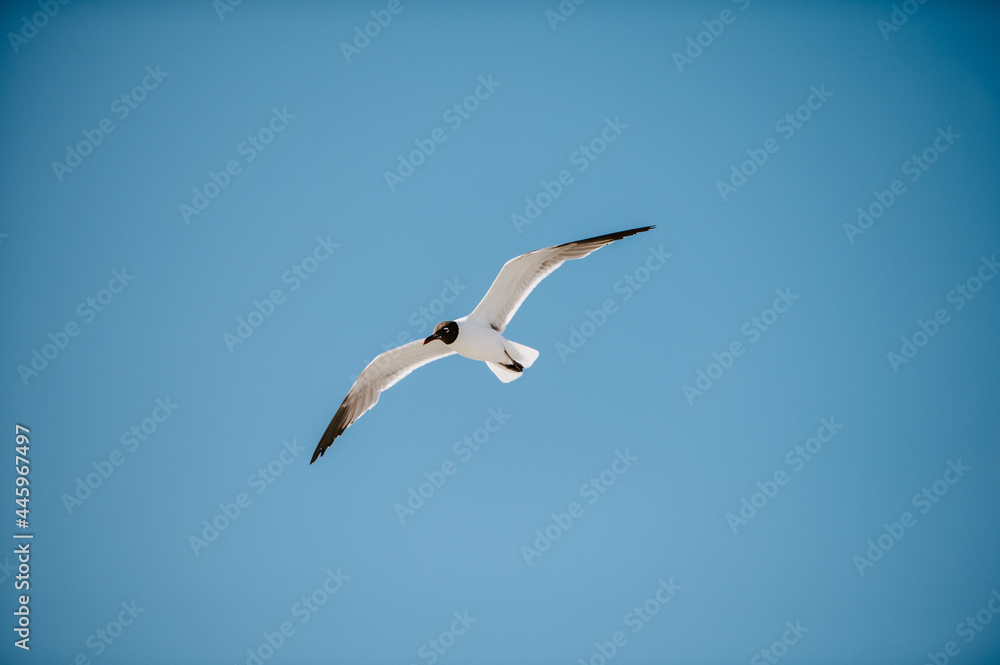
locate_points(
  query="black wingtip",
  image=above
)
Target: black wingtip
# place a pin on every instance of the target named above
(611, 237)
(333, 430)
(320, 449)
(632, 232)
(325, 442)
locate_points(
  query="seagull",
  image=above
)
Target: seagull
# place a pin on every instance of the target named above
(478, 336)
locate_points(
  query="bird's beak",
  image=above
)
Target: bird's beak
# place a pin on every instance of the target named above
(432, 338)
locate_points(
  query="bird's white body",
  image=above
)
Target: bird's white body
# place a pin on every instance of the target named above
(479, 341)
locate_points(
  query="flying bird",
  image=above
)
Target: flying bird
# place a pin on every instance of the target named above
(478, 336)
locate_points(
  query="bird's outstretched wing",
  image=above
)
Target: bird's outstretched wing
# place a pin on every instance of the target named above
(381, 374)
(520, 275)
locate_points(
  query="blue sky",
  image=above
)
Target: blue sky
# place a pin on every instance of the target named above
(765, 430)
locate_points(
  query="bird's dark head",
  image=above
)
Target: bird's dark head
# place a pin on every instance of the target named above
(446, 331)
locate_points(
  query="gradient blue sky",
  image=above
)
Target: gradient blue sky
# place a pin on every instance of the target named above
(447, 229)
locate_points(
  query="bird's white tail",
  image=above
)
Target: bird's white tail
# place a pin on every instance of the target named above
(521, 353)
(525, 355)
(504, 374)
